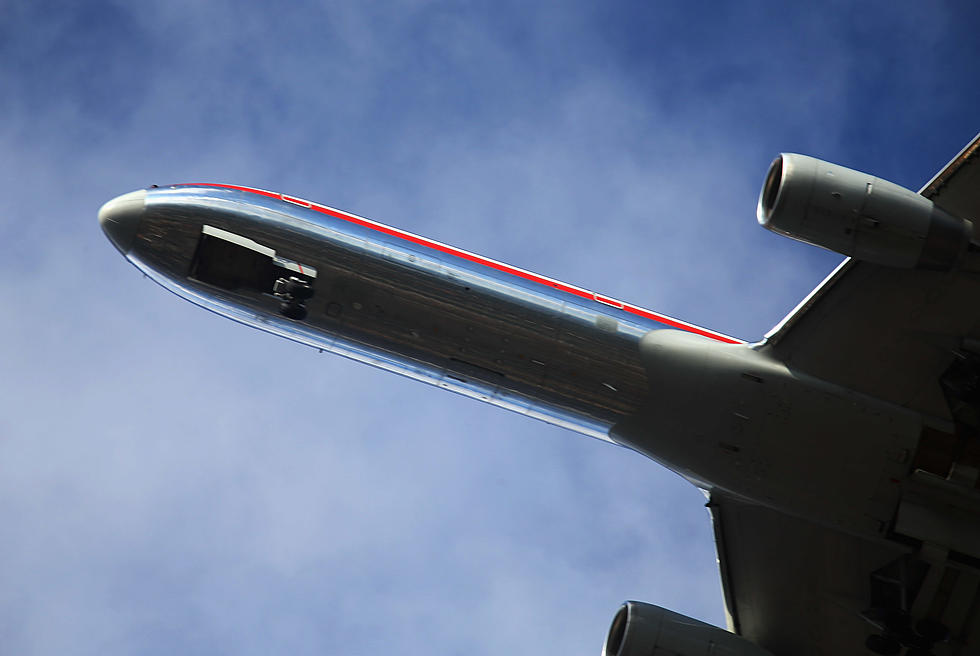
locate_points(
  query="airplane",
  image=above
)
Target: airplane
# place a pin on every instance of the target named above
(839, 454)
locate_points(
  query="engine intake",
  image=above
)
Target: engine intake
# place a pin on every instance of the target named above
(859, 215)
(642, 629)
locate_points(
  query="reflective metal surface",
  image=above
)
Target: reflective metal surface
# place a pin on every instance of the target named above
(120, 219)
(405, 304)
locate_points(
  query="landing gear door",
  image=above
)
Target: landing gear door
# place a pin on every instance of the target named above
(239, 264)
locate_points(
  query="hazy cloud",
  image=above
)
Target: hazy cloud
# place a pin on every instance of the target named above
(163, 490)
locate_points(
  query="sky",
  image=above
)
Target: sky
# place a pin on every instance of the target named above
(173, 482)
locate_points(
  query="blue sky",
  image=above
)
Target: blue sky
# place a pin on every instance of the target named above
(163, 491)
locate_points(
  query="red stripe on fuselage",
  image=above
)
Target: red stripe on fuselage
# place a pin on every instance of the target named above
(478, 259)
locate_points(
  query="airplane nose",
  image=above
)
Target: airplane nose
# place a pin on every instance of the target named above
(120, 219)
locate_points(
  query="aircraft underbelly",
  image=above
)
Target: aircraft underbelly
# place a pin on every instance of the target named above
(560, 361)
(732, 419)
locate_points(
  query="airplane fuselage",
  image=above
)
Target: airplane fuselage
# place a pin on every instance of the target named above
(402, 302)
(710, 407)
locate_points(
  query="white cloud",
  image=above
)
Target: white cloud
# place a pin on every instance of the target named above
(157, 494)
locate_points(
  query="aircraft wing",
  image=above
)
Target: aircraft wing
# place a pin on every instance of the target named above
(791, 586)
(797, 588)
(891, 333)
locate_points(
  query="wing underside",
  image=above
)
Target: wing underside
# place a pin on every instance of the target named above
(799, 589)
(892, 332)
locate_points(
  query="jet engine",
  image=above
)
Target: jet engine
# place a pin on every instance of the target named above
(643, 629)
(859, 215)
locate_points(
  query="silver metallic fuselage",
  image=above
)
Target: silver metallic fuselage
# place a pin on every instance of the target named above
(724, 414)
(410, 305)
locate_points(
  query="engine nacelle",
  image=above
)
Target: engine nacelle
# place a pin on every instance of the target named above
(643, 629)
(859, 215)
